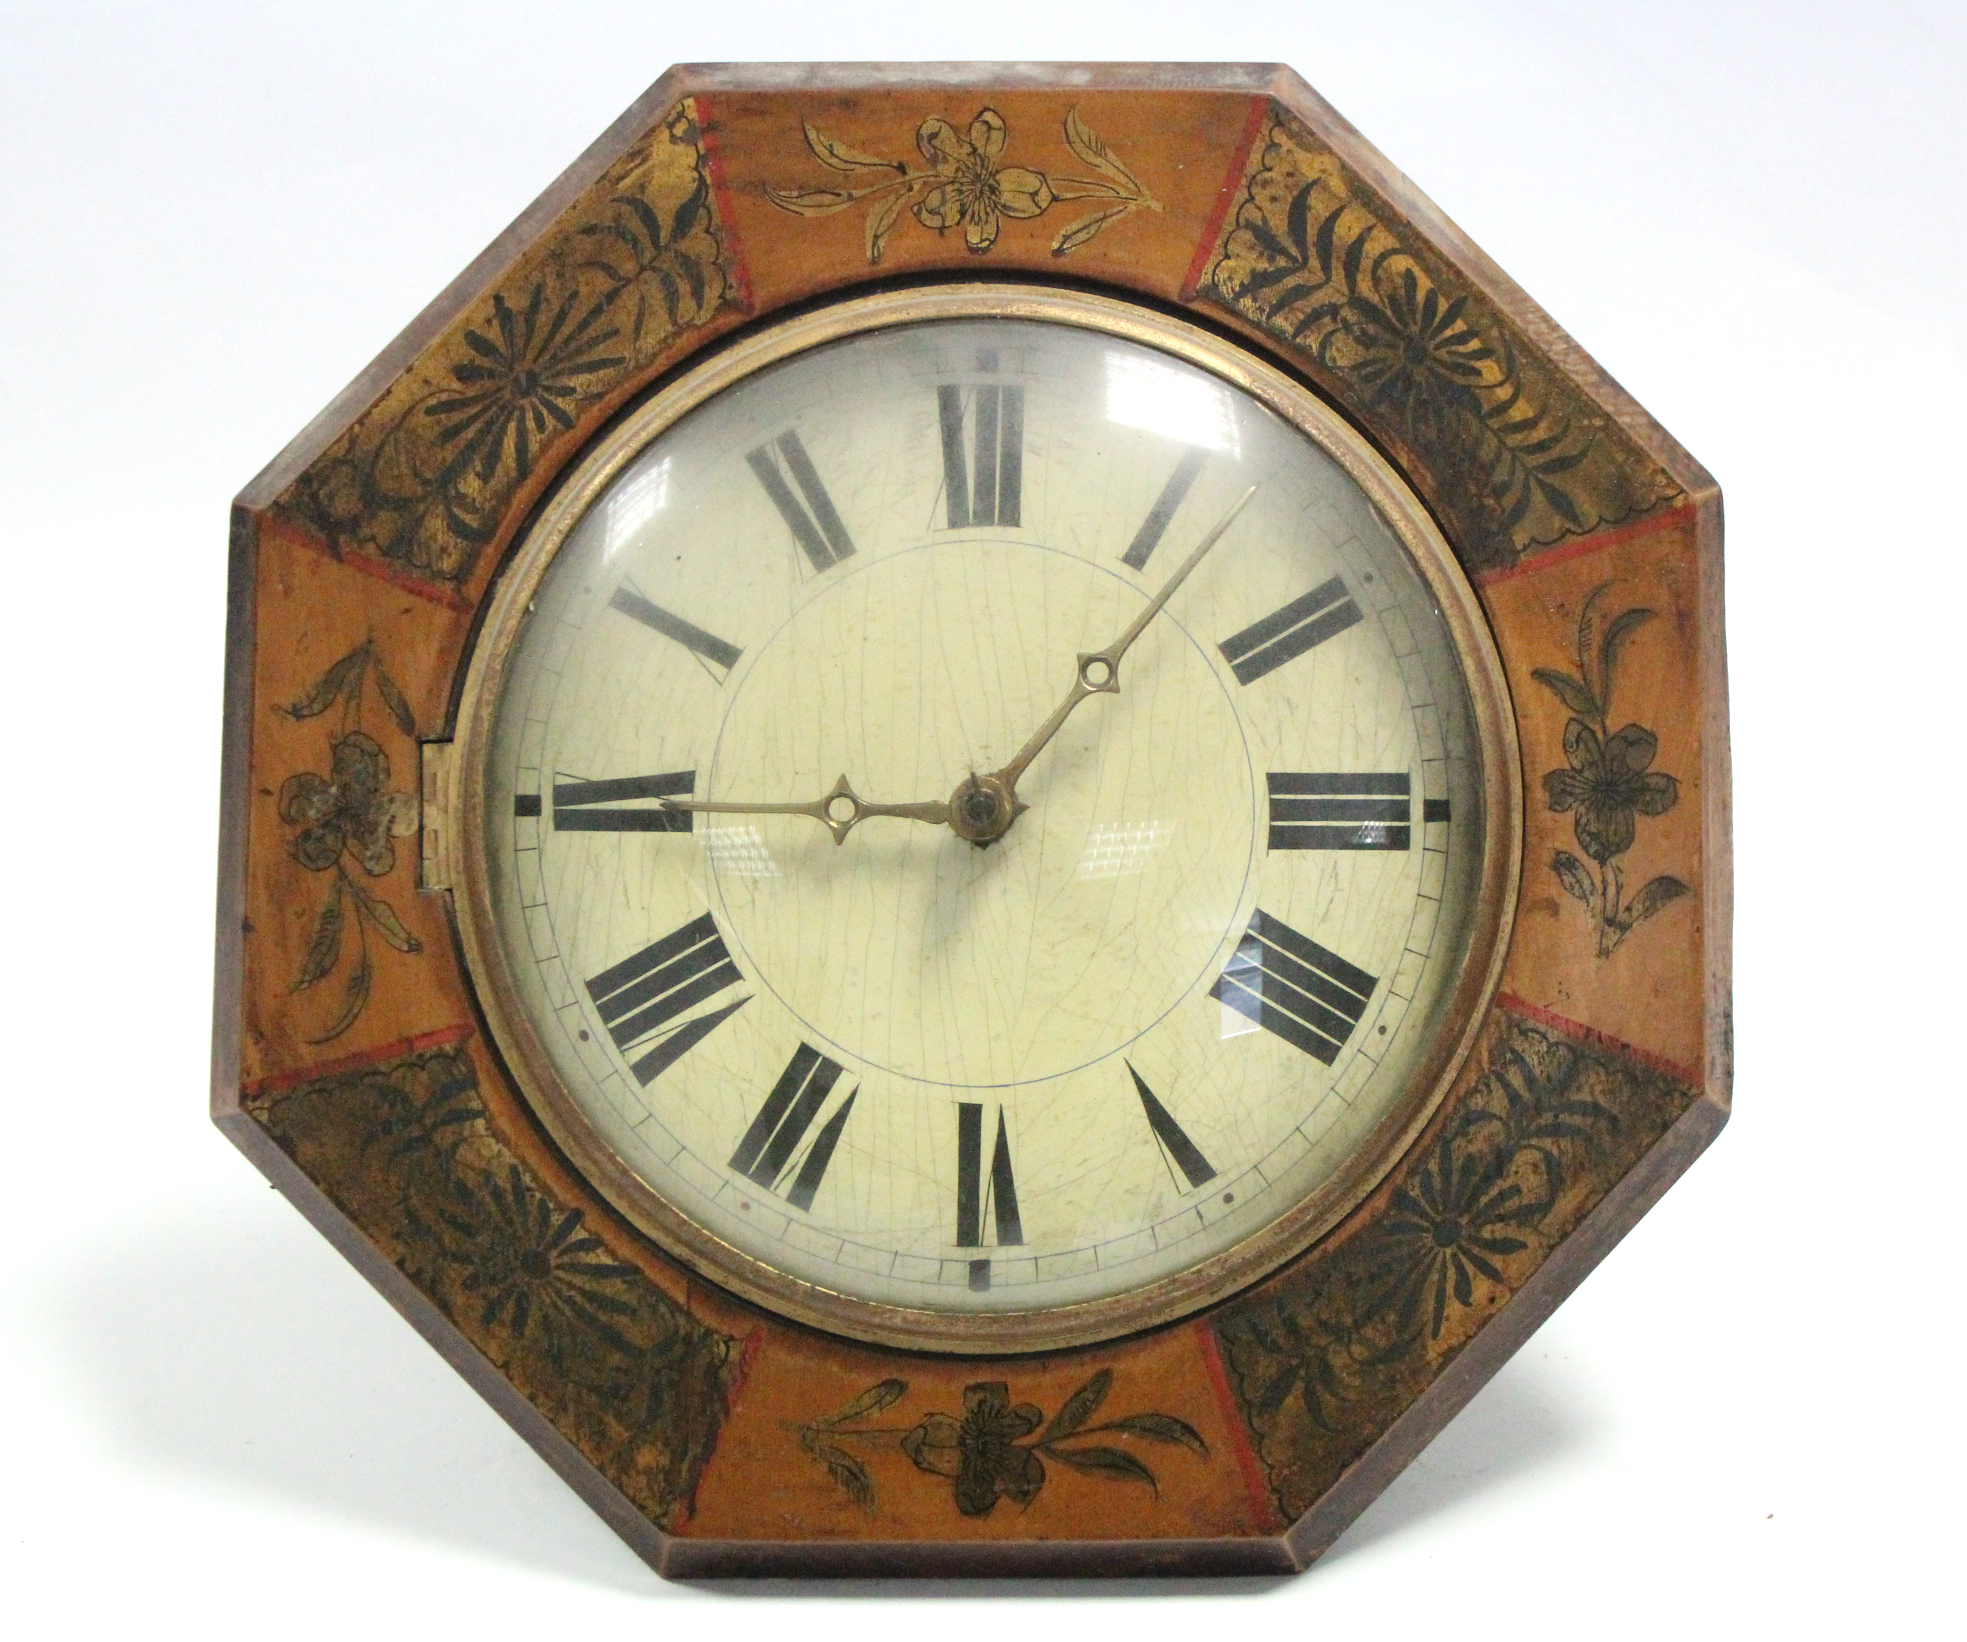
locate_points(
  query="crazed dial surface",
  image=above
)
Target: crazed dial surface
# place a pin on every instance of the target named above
(1192, 979)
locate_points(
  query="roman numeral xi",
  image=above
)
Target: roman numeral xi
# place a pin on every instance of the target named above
(765, 1155)
(639, 997)
(1309, 997)
(816, 525)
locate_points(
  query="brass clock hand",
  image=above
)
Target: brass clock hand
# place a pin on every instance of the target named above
(840, 811)
(983, 806)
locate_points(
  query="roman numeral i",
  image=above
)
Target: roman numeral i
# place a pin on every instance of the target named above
(1287, 984)
(638, 997)
(765, 1155)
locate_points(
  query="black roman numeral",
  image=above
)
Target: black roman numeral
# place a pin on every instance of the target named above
(1155, 525)
(1181, 1152)
(692, 637)
(1309, 997)
(980, 1196)
(819, 531)
(765, 1154)
(589, 806)
(1339, 812)
(1265, 645)
(991, 492)
(639, 996)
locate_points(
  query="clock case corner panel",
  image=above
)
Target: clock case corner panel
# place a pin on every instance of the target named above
(361, 556)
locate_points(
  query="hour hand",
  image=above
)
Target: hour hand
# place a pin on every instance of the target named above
(840, 811)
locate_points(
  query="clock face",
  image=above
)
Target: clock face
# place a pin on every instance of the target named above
(1074, 1048)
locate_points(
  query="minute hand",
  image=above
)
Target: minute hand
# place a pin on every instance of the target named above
(1099, 670)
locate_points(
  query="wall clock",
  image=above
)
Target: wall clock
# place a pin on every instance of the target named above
(976, 821)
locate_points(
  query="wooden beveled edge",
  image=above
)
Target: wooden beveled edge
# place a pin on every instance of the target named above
(1643, 1185)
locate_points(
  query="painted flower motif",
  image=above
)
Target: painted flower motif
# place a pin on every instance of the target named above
(349, 810)
(1448, 1224)
(1607, 784)
(976, 192)
(525, 384)
(1418, 355)
(532, 1262)
(980, 1450)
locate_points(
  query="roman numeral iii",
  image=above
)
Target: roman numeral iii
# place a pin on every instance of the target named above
(815, 526)
(1339, 812)
(1262, 647)
(1309, 997)
(990, 491)
(594, 806)
(641, 995)
(765, 1155)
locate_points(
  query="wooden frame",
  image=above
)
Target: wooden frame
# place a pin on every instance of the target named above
(351, 1060)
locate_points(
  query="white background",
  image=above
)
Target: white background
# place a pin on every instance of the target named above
(1745, 1424)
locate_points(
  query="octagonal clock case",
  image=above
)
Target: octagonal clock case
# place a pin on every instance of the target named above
(976, 822)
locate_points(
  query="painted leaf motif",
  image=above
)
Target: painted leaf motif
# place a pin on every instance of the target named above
(881, 221)
(1572, 875)
(839, 156)
(328, 688)
(1616, 635)
(1567, 690)
(1080, 139)
(1164, 1428)
(1078, 1408)
(325, 948)
(873, 1400)
(383, 916)
(392, 698)
(1655, 895)
(847, 1472)
(354, 995)
(816, 202)
(1083, 230)
(1110, 1462)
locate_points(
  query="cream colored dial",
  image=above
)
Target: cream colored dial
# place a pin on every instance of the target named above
(1206, 968)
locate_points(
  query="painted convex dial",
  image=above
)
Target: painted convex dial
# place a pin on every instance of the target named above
(983, 815)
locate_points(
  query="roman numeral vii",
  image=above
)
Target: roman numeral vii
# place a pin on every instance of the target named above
(765, 1155)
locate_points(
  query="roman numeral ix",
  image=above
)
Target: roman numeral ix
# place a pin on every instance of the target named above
(1309, 997)
(980, 1196)
(765, 1155)
(1263, 646)
(991, 493)
(815, 526)
(641, 995)
(593, 806)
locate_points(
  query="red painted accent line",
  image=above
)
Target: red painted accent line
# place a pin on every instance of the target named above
(1599, 1040)
(394, 574)
(1199, 264)
(367, 1057)
(1239, 1433)
(1671, 519)
(747, 1354)
(720, 201)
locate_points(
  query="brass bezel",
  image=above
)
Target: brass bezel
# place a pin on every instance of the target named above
(1164, 1300)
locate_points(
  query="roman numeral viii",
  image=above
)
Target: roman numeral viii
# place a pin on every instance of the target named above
(1309, 997)
(641, 995)
(1263, 646)
(981, 1196)
(819, 531)
(595, 806)
(992, 491)
(1339, 812)
(765, 1155)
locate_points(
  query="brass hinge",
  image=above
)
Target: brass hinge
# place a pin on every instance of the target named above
(439, 805)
